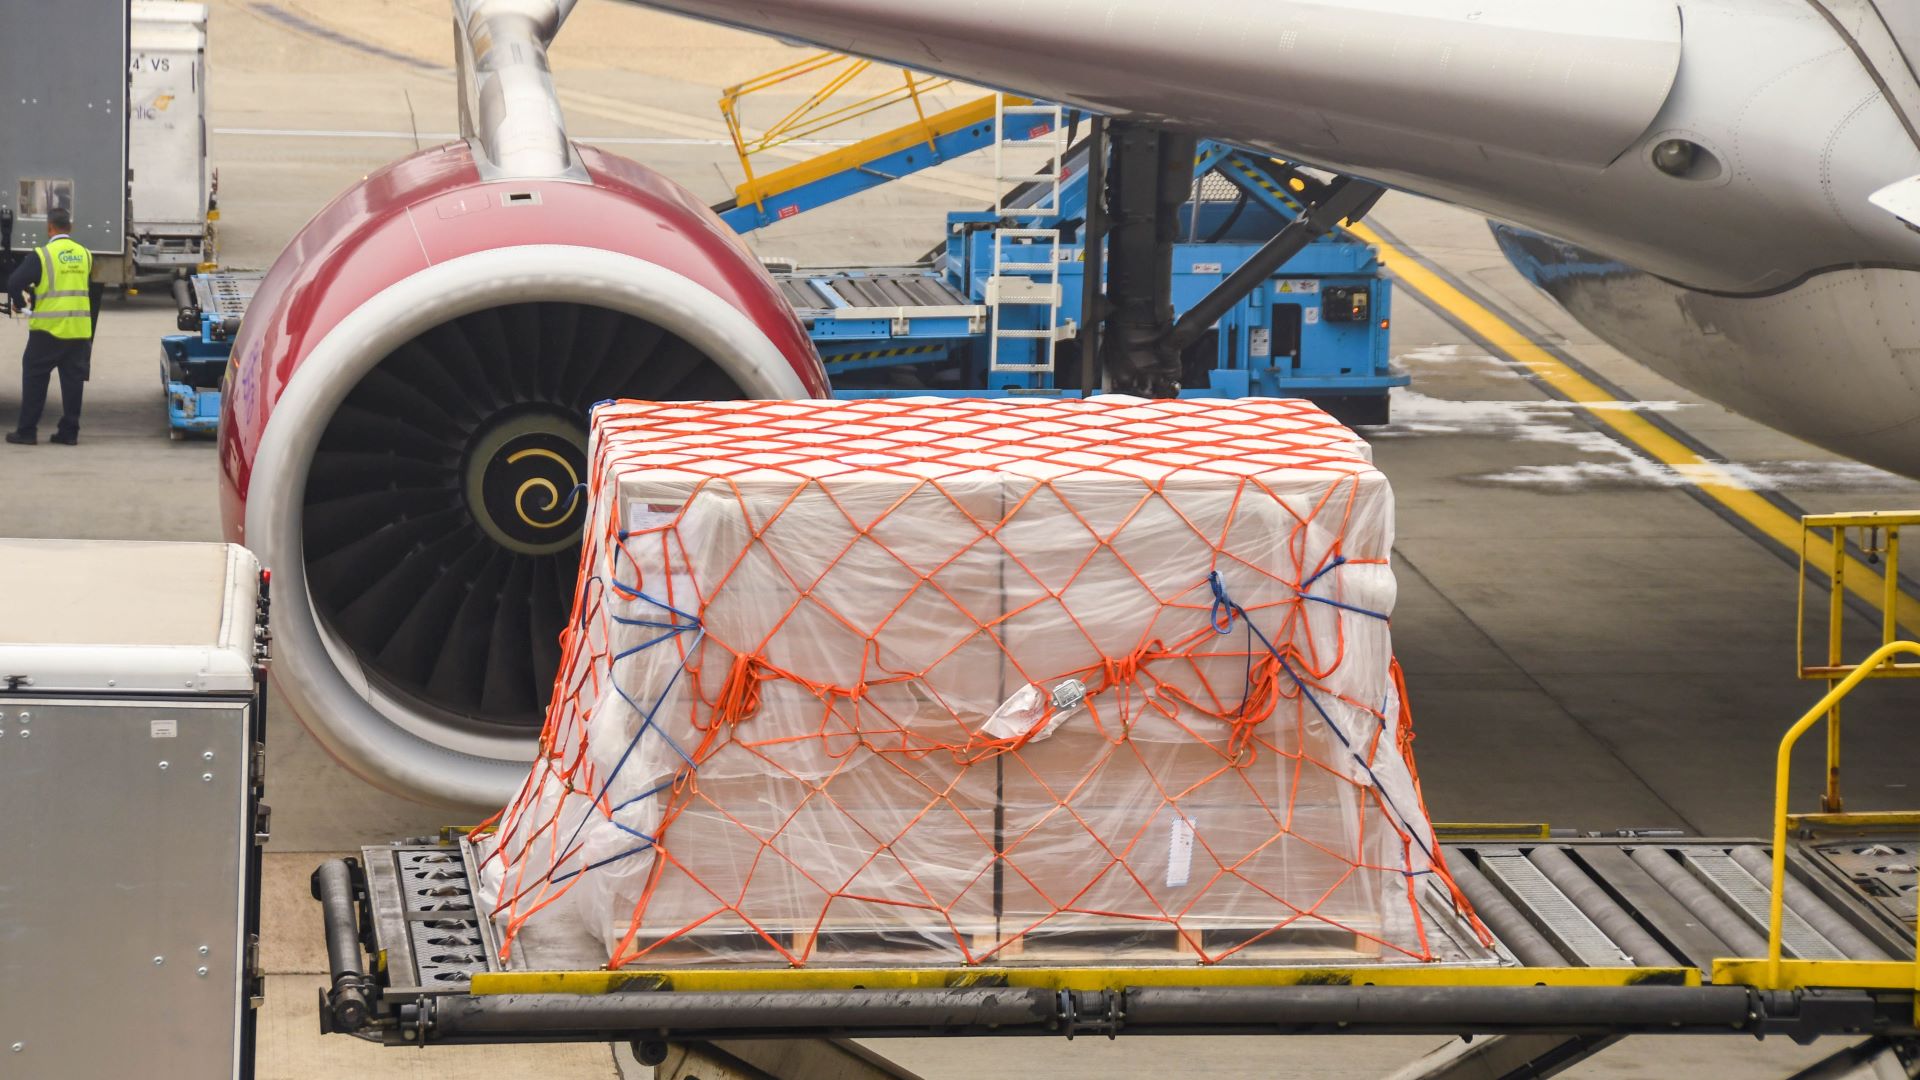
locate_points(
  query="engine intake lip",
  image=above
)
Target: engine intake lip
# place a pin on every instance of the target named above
(385, 740)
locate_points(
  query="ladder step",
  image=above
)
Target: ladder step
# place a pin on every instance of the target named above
(1063, 332)
(1029, 234)
(1026, 267)
(1021, 290)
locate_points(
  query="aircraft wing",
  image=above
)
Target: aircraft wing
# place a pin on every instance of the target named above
(1426, 94)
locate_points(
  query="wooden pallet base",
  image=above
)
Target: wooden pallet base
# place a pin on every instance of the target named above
(1109, 942)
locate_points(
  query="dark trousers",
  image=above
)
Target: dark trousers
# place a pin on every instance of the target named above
(46, 355)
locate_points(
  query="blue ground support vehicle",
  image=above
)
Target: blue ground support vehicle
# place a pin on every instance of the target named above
(994, 310)
(193, 365)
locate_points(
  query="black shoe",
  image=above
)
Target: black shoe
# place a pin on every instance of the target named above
(18, 439)
(66, 440)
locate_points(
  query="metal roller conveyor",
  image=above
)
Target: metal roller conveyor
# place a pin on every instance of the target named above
(1601, 937)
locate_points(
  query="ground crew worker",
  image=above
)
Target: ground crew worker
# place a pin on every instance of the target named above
(59, 330)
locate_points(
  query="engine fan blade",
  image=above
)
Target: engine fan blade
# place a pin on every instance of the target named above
(703, 382)
(354, 428)
(381, 391)
(599, 330)
(460, 669)
(342, 525)
(486, 384)
(548, 615)
(428, 372)
(371, 620)
(521, 325)
(508, 686)
(410, 652)
(635, 342)
(559, 324)
(486, 331)
(337, 474)
(670, 366)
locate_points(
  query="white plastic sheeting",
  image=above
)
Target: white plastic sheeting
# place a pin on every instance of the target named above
(930, 681)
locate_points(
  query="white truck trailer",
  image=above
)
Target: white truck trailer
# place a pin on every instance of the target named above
(110, 125)
(171, 188)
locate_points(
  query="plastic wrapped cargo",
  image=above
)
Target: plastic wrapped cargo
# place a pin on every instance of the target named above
(928, 682)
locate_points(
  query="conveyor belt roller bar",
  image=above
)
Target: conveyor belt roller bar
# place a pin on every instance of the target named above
(1550, 910)
(1685, 897)
(1737, 887)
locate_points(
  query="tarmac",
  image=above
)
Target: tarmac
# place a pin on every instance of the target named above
(1588, 641)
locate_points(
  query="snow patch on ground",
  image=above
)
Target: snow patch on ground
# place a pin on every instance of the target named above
(1632, 471)
(1531, 420)
(1609, 463)
(1436, 359)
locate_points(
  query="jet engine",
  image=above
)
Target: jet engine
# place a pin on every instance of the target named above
(405, 436)
(403, 439)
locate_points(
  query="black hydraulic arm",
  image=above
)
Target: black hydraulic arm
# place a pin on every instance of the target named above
(1149, 177)
(346, 1006)
(186, 311)
(1347, 200)
(1094, 236)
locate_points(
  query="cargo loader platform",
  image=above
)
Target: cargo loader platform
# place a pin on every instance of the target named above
(1808, 933)
(1596, 935)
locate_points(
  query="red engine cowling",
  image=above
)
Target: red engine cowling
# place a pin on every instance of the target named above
(405, 425)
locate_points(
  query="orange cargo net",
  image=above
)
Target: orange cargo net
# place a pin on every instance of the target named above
(933, 681)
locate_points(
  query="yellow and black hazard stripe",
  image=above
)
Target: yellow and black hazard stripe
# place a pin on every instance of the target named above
(1263, 181)
(884, 354)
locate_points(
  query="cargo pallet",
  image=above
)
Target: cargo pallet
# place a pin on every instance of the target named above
(1810, 932)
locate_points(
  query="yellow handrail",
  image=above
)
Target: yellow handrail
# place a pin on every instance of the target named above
(1782, 777)
(812, 115)
(1879, 539)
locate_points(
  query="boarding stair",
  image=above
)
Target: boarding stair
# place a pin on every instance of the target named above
(926, 140)
(1026, 256)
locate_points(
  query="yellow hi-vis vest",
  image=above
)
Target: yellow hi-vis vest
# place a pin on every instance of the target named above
(60, 303)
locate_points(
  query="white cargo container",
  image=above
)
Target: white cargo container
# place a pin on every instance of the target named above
(131, 757)
(167, 135)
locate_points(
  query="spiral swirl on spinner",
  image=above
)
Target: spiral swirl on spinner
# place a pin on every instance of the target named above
(558, 507)
(532, 495)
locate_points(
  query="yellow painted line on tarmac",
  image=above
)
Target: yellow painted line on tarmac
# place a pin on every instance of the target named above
(1709, 477)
